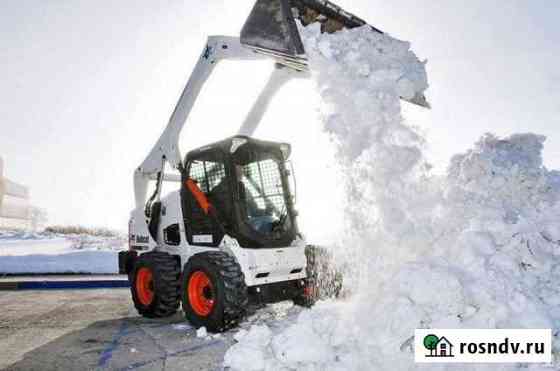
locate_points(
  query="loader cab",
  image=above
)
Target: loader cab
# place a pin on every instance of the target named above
(247, 188)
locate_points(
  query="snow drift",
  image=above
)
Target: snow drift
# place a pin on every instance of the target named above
(477, 248)
(30, 252)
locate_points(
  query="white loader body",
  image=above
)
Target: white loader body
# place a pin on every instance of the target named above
(260, 266)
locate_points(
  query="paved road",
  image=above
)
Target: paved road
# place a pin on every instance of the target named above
(97, 330)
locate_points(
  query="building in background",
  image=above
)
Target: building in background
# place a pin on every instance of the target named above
(16, 211)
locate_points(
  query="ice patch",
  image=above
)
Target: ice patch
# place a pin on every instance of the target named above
(181, 327)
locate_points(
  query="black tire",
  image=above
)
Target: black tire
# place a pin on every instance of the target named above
(227, 290)
(165, 284)
(322, 280)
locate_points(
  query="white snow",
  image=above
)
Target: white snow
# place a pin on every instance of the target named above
(477, 248)
(251, 350)
(23, 252)
(201, 332)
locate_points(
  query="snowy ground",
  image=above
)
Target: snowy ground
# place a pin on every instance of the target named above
(25, 252)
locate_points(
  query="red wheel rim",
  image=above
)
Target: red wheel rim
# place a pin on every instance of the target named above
(145, 286)
(201, 293)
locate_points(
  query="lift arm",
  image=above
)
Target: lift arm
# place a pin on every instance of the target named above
(270, 32)
(218, 48)
(279, 77)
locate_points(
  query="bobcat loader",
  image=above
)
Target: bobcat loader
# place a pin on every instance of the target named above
(228, 235)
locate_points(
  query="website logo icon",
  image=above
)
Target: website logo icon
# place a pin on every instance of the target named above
(438, 346)
(483, 345)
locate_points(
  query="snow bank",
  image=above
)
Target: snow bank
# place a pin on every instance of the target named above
(25, 252)
(477, 248)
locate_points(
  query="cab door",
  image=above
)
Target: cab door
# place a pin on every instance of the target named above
(208, 171)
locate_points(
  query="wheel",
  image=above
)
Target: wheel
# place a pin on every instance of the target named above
(214, 294)
(322, 280)
(154, 283)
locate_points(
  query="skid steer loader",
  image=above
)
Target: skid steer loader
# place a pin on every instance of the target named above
(228, 235)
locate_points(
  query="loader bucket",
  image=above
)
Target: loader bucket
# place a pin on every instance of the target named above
(271, 29)
(271, 26)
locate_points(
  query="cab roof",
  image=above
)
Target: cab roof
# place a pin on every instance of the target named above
(230, 145)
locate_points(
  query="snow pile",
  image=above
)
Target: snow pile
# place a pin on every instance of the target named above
(25, 252)
(478, 248)
(501, 227)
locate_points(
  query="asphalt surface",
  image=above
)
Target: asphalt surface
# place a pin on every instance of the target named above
(98, 330)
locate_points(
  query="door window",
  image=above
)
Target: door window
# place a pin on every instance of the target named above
(209, 173)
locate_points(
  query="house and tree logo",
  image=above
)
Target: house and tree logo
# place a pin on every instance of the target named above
(438, 346)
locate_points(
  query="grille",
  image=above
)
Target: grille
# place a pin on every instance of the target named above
(207, 174)
(263, 180)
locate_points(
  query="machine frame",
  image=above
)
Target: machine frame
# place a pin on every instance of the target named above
(277, 262)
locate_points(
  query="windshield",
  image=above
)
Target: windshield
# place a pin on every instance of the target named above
(262, 194)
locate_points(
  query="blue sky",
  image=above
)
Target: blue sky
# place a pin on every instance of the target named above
(88, 86)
